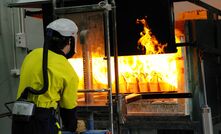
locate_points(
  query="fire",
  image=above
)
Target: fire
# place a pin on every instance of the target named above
(144, 73)
(148, 41)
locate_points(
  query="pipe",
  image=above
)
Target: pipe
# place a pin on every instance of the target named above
(13, 40)
(206, 111)
(54, 8)
(44, 71)
(204, 82)
(44, 62)
(21, 29)
(107, 43)
(171, 44)
(115, 45)
(87, 65)
(21, 24)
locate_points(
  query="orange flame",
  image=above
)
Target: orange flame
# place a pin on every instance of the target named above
(148, 40)
(144, 73)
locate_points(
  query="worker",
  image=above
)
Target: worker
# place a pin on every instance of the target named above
(61, 36)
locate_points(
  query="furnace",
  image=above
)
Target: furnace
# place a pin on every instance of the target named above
(145, 66)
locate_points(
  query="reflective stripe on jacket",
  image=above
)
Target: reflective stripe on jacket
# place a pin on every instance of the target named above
(62, 78)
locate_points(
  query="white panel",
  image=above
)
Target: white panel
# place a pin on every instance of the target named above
(34, 32)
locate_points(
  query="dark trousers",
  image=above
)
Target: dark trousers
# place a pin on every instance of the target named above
(43, 122)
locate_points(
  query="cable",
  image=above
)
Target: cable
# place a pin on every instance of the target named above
(24, 95)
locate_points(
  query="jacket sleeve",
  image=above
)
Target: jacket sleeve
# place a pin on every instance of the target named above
(69, 119)
(68, 102)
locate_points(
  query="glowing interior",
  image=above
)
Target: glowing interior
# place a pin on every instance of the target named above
(153, 72)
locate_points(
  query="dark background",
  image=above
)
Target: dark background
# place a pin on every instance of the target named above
(158, 16)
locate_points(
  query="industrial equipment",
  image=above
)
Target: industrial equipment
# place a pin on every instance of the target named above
(140, 70)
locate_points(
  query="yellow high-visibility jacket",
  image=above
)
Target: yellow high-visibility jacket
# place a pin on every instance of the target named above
(62, 80)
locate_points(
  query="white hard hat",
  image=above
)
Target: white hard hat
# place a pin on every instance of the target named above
(65, 27)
